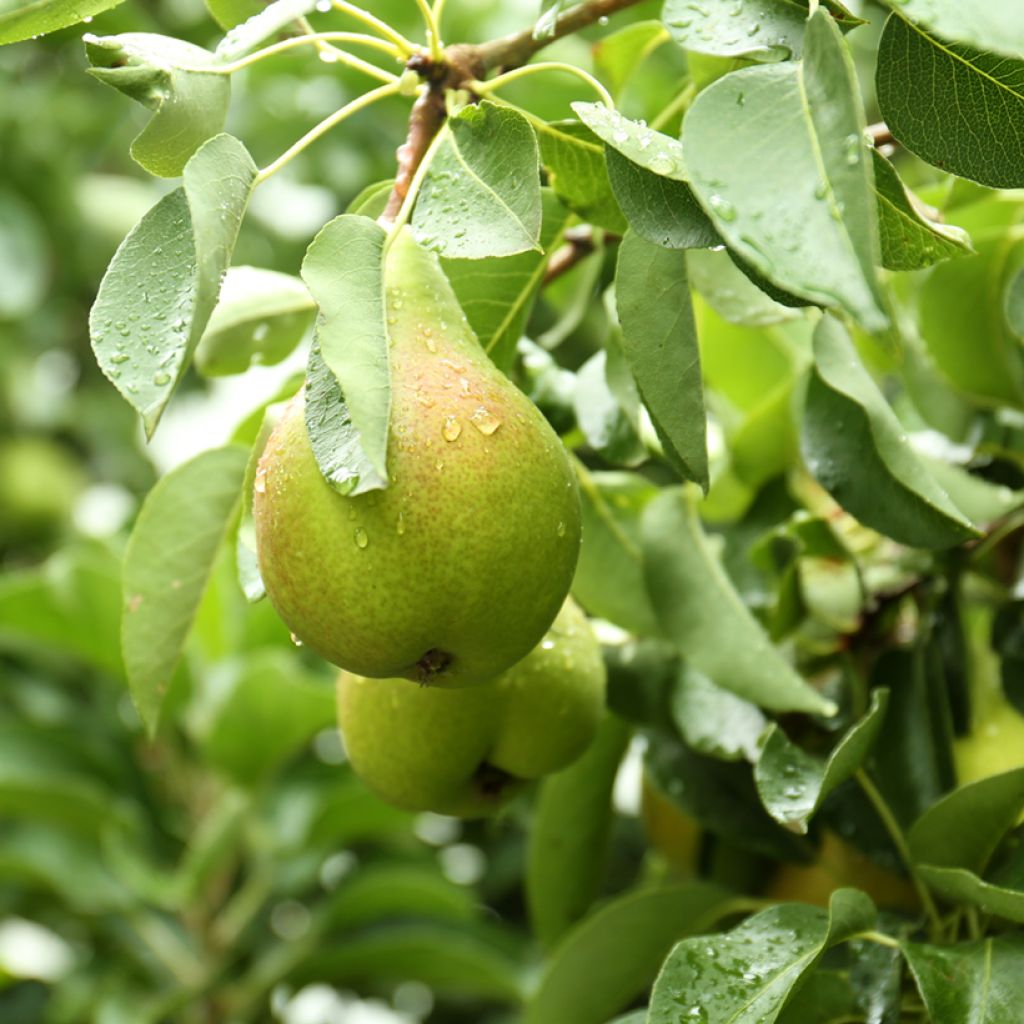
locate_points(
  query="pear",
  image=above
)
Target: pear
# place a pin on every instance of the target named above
(466, 752)
(453, 572)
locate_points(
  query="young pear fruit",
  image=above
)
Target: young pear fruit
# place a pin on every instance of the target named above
(467, 752)
(453, 572)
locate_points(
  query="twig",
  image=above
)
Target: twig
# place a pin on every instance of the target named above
(880, 135)
(513, 50)
(579, 244)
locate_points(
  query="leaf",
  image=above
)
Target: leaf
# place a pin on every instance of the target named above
(746, 975)
(714, 721)
(963, 829)
(659, 209)
(569, 834)
(609, 579)
(605, 424)
(958, 885)
(909, 240)
(497, 294)
(260, 316)
(544, 26)
(793, 784)
(448, 960)
(964, 326)
(41, 17)
(574, 160)
(660, 344)
(256, 710)
(171, 77)
(611, 956)
(344, 271)
(972, 982)
(24, 256)
(653, 150)
(261, 26)
(856, 449)
(989, 26)
(826, 997)
(763, 30)
(703, 615)
(796, 203)
(731, 293)
(481, 195)
(959, 108)
(162, 284)
(617, 55)
(166, 565)
(1013, 303)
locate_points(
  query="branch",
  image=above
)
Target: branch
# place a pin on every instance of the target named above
(511, 51)
(579, 244)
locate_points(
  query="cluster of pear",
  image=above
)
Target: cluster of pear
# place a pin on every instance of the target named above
(438, 595)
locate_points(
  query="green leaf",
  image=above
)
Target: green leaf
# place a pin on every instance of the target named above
(605, 424)
(660, 343)
(793, 784)
(746, 975)
(24, 256)
(166, 565)
(762, 30)
(964, 828)
(254, 711)
(909, 240)
(162, 284)
(574, 160)
(609, 579)
(970, 983)
(344, 271)
(267, 22)
(260, 316)
(964, 327)
(959, 108)
(857, 450)
(611, 956)
(40, 17)
(979, 499)
(544, 26)
(995, 26)
(795, 203)
(731, 293)
(569, 833)
(617, 55)
(497, 294)
(714, 721)
(1013, 303)
(448, 960)
(958, 885)
(659, 209)
(659, 153)
(703, 615)
(172, 78)
(481, 195)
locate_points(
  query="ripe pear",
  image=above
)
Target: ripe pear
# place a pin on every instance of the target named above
(453, 572)
(467, 752)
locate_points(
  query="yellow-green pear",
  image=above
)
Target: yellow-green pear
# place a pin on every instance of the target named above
(453, 572)
(466, 752)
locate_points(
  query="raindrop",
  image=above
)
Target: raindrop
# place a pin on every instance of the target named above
(486, 422)
(723, 208)
(361, 537)
(295, 640)
(400, 524)
(561, 528)
(120, 357)
(451, 429)
(260, 483)
(161, 378)
(662, 163)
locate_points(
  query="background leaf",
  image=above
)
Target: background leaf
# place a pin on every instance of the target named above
(42, 16)
(166, 566)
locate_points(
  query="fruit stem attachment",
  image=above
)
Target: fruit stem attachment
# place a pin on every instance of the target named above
(382, 28)
(483, 88)
(892, 826)
(359, 103)
(316, 39)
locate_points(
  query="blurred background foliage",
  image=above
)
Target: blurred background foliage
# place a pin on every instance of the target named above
(234, 869)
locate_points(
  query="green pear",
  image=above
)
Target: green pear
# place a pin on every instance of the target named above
(453, 572)
(467, 752)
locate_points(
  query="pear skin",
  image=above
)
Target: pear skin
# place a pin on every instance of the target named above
(467, 752)
(452, 573)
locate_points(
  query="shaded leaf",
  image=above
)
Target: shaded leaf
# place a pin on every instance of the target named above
(162, 284)
(958, 885)
(347, 417)
(959, 108)
(857, 450)
(166, 565)
(613, 955)
(795, 203)
(481, 196)
(731, 293)
(793, 784)
(618, 54)
(660, 344)
(703, 615)
(714, 721)
(40, 17)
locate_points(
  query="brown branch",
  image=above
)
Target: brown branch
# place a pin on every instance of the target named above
(425, 122)
(880, 135)
(579, 244)
(513, 50)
